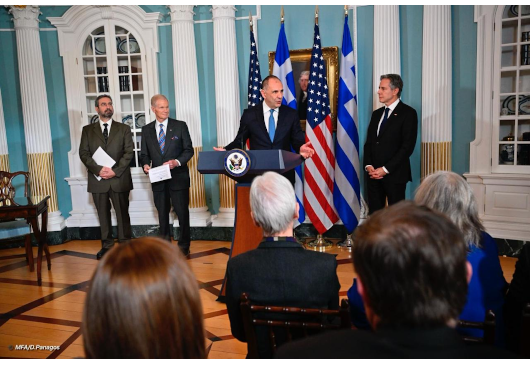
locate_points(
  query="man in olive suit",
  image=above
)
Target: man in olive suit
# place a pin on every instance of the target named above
(115, 182)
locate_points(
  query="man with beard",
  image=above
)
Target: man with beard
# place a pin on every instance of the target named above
(109, 183)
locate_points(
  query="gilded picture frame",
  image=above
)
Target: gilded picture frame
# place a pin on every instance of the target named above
(300, 59)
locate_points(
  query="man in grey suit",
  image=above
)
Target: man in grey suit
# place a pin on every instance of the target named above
(116, 182)
(167, 141)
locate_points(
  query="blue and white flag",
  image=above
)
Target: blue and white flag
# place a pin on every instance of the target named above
(347, 187)
(284, 71)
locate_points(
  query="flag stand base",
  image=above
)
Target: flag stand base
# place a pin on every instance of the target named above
(319, 244)
(347, 243)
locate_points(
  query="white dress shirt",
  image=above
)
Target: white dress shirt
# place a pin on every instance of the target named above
(391, 107)
(109, 124)
(267, 114)
(157, 128)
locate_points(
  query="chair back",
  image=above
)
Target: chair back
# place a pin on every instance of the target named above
(294, 321)
(488, 326)
(7, 190)
(524, 344)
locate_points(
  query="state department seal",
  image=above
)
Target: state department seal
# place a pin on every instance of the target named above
(237, 162)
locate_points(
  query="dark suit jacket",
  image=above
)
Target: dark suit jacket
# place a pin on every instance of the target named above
(288, 132)
(178, 146)
(119, 146)
(516, 298)
(280, 273)
(395, 143)
(433, 343)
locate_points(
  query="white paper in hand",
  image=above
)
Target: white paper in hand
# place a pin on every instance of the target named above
(103, 159)
(159, 173)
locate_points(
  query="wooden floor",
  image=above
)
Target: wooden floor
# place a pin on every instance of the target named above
(50, 315)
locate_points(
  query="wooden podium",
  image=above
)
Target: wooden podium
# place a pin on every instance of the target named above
(246, 235)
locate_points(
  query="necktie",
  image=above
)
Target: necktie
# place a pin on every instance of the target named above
(161, 138)
(385, 119)
(272, 127)
(105, 132)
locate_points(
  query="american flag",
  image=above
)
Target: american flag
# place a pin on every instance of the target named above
(319, 170)
(254, 74)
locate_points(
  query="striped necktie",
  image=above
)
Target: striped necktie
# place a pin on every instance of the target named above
(162, 138)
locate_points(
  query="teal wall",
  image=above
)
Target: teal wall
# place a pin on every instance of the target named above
(299, 23)
(411, 28)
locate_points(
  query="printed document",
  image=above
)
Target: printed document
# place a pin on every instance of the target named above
(103, 159)
(159, 173)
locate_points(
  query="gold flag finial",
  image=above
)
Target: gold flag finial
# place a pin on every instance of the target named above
(316, 14)
(346, 10)
(250, 20)
(282, 15)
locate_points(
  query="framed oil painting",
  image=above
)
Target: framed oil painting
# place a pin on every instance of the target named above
(300, 59)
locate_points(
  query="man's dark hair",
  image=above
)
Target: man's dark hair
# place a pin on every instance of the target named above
(395, 82)
(265, 81)
(101, 97)
(412, 264)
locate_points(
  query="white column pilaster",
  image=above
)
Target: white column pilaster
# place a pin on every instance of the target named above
(436, 90)
(4, 153)
(387, 50)
(187, 102)
(35, 110)
(226, 99)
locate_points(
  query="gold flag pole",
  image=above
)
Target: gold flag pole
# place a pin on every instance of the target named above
(282, 15)
(316, 14)
(345, 10)
(250, 21)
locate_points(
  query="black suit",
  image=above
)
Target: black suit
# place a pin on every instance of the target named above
(391, 149)
(430, 343)
(178, 146)
(288, 132)
(280, 273)
(120, 147)
(516, 298)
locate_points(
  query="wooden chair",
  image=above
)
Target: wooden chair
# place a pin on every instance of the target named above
(15, 228)
(304, 321)
(524, 344)
(488, 326)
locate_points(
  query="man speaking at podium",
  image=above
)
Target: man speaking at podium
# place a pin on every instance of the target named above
(271, 125)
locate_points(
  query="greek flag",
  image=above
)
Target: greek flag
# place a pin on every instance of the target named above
(283, 70)
(347, 187)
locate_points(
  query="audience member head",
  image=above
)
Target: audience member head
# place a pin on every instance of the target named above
(448, 193)
(143, 302)
(273, 204)
(411, 266)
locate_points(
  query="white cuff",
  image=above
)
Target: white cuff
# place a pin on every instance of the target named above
(384, 168)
